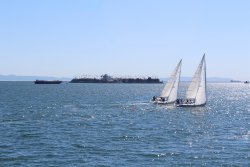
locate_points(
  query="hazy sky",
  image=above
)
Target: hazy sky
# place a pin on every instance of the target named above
(67, 38)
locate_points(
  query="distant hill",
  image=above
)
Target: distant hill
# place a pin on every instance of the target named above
(209, 79)
(218, 79)
(30, 78)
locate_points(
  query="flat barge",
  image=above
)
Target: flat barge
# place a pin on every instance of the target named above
(47, 82)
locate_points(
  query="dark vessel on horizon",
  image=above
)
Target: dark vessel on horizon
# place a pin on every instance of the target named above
(108, 79)
(47, 82)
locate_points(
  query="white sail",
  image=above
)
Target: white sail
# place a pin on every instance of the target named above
(201, 96)
(197, 88)
(170, 90)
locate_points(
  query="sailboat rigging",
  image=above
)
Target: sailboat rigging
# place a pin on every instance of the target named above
(170, 91)
(196, 94)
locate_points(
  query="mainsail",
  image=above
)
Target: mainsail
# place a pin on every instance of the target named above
(197, 88)
(170, 90)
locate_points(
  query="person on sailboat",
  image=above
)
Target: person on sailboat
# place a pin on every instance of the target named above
(163, 99)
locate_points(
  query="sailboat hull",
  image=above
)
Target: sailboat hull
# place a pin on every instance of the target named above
(163, 102)
(190, 105)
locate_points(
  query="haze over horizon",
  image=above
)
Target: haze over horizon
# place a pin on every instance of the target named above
(33, 78)
(143, 37)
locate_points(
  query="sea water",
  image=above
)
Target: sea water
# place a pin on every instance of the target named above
(116, 125)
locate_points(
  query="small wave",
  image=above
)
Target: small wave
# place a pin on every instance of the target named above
(160, 155)
(88, 117)
(29, 135)
(17, 158)
(78, 145)
(242, 136)
(128, 138)
(71, 107)
(246, 136)
(5, 146)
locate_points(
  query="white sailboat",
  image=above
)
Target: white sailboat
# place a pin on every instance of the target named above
(196, 94)
(170, 91)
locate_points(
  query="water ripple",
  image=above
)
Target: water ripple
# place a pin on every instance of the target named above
(115, 125)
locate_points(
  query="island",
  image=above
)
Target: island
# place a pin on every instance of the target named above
(109, 79)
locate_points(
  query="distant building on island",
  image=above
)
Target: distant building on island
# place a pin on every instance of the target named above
(109, 79)
(235, 81)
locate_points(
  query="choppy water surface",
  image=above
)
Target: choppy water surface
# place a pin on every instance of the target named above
(115, 125)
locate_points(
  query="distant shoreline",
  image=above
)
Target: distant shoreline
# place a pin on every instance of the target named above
(67, 79)
(137, 83)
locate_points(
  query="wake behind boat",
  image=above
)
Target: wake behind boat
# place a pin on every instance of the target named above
(196, 94)
(170, 91)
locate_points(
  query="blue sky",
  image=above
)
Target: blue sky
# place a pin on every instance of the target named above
(124, 37)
